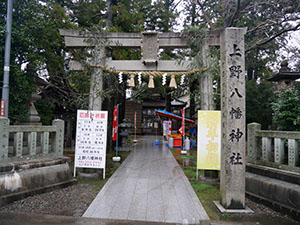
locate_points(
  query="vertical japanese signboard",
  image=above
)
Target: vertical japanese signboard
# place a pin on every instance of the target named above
(167, 128)
(181, 129)
(209, 140)
(232, 184)
(2, 108)
(115, 124)
(134, 118)
(91, 135)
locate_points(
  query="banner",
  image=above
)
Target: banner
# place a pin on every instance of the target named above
(91, 134)
(2, 108)
(115, 124)
(209, 140)
(135, 121)
(167, 128)
(181, 129)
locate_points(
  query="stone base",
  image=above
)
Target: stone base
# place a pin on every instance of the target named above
(21, 179)
(223, 210)
(183, 152)
(116, 159)
(88, 175)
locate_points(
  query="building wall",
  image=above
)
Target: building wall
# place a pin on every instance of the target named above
(130, 108)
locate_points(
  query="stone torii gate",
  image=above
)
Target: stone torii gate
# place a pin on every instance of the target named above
(231, 41)
(150, 43)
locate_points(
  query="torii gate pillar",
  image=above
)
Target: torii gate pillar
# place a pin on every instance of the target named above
(206, 80)
(232, 184)
(96, 82)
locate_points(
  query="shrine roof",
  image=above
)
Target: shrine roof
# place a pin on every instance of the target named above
(285, 76)
(285, 73)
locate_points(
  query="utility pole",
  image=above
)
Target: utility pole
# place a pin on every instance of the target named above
(5, 89)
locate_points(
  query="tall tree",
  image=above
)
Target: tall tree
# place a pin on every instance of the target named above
(164, 15)
(36, 43)
(268, 22)
(259, 97)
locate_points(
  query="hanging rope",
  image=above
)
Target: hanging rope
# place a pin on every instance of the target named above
(150, 73)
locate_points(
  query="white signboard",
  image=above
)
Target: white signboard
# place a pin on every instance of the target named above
(91, 135)
(167, 128)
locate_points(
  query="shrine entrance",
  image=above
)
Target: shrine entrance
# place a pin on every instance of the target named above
(231, 41)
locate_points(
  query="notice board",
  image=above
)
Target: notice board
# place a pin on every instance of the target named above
(91, 136)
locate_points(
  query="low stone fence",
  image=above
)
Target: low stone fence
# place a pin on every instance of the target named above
(273, 171)
(25, 142)
(31, 160)
(273, 147)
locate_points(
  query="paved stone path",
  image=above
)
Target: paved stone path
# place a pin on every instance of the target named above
(149, 186)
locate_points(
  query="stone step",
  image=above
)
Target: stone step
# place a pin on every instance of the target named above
(278, 192)
(277, 174)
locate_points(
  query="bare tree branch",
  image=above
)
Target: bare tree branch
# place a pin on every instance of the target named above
(241, 6)
(263, 24)
(236, 14)
(206, 17)
(175, 6)
(266, 40)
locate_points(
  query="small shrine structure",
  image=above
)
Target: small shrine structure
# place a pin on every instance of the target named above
(285, 78)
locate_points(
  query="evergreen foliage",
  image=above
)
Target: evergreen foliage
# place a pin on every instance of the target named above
(259, 97)
(286, 110)
(36, 43)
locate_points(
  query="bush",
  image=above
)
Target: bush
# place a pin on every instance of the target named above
(286, 110)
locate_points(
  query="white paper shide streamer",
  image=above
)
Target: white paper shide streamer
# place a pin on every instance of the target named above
(120, 77)
(182, 80)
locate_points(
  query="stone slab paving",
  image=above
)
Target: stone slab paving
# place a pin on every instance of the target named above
(149, 186)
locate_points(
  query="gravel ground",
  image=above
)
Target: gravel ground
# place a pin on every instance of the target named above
(260, 208)
(74, 200)
(69, 201)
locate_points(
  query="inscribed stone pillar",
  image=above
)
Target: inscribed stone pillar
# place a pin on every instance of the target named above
(96, 83)
(4, 134)
(266, 149)
(58, 140)
(293, 152)
(32, 143)
(279, 150)
(252, 142)
(232, 181)
(18, 144)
